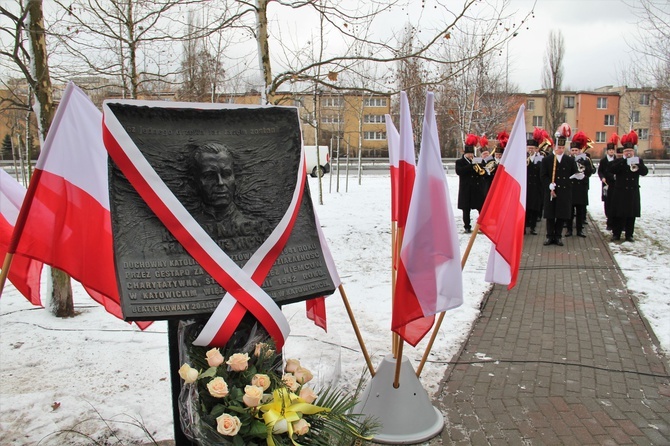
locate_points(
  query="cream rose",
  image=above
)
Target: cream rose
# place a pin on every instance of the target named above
(188, 374)
(301, 427)
(307, 395)
(290, 382)
(262, 346)
(238, 362)
(252, 395)
(291, 365)
(261, 380)
(214, 357)
(217, 387)
(303, 375)
(228, 425)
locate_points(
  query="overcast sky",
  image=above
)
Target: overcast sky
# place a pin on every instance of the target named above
(595, 33)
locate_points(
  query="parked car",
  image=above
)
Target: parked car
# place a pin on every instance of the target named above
(320, 167)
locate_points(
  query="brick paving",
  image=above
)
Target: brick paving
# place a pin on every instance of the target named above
(564, 358)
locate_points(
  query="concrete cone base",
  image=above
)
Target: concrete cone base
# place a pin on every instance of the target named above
(406, 414)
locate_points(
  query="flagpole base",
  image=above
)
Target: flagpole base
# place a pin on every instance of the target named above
(406, 414)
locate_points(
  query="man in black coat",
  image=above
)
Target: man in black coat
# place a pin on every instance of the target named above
(580, 184)
(471, 184)
(627, 171)
(606, 178)
(555, 172)
(534, 190)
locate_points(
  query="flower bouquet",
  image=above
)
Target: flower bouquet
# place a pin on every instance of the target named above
(246, 397)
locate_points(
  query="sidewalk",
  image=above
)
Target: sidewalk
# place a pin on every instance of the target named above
(563, 358)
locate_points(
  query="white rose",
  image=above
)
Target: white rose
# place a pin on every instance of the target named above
(280, 427)
(307, 395)
(290, 382)
(188, 374)
(238, 362)
(261, 380)
(291, 365)
(214, 357)
(228, 425)
(217, 387)
(301, 427)
(252, 395)
(303, 375)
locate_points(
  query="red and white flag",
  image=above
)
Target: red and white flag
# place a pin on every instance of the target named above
(504, 212)
(65, 220)
(393, 139)
(429, 274)
(406, 161)
(25, 272)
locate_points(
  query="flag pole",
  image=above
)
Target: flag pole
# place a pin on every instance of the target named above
(464, 260)
(394, 232)
(356, 330)
(5, 270)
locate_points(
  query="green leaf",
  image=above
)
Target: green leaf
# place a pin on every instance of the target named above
(209, 373)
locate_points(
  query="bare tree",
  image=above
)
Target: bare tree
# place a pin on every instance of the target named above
(653, 42)
(477, 98)
(29, 54)
(552, 79)
(352, 26)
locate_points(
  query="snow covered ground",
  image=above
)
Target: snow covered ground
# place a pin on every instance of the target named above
(94, 373)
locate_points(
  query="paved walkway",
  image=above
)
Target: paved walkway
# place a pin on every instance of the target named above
(562, 359)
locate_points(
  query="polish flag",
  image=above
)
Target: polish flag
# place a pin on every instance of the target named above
(24, 272)
(65, 220)
(503, 214)
(429, 274)
(406, 161)
(393, 139)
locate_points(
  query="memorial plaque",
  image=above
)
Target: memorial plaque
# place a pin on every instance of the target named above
(235, 171)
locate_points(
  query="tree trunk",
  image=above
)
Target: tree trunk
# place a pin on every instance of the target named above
(263, 47)
(62, 304)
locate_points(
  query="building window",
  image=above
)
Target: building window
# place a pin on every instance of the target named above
(643, 134)
(374, 135)
(332, 102)
(375, 102)
(538, 121)
(308, 117)
(330, 119)
(601, 137)
(601, 103)
(530, 104)
(609, 120)
(569, 102)
(374, 119)
(635, 116)
(644, 99)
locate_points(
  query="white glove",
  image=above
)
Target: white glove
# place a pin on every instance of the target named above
(552, 186)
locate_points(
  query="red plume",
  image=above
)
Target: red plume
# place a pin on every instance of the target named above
(503, 137)
(581, 139)
(614, 139)
(632, 137)
(471, 140)
(624, 139)
(483, 141)
(539, 134)
(565, 130)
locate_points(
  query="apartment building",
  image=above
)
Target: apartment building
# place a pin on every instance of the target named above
(602, 112)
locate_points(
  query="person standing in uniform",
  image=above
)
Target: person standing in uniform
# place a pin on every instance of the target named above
(607, 179)
(627, 171)
(580, 183)
(533, 184)
(555, 172)
(471, 183)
